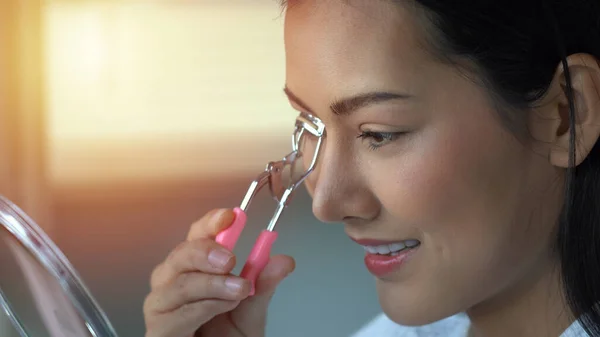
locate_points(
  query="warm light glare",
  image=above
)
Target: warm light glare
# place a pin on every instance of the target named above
(90, 46)
(198, 79)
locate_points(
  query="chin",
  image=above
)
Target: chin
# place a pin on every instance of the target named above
(405, 307)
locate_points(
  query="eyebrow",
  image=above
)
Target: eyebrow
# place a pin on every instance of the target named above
(346, 106)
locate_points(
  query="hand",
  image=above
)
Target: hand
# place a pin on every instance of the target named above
(194, 294)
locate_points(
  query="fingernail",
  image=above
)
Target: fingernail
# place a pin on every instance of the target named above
(271, 270)
(234, 284)
(217, 215)
(219, 257)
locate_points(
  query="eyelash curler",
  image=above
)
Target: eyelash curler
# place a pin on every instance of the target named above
(273, 177)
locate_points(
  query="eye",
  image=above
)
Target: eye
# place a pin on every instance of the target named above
(379, 139)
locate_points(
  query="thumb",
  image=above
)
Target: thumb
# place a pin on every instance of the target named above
(251, 314)
(278, 268)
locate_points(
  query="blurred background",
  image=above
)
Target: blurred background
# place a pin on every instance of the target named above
(122, 122)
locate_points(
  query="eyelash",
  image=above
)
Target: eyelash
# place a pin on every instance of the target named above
(386, 137)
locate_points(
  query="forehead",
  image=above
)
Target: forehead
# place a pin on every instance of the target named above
(350, 46)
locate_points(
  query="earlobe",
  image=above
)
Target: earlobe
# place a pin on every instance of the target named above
(551, 125)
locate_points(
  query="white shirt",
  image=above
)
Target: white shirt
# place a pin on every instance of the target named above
(454, 326)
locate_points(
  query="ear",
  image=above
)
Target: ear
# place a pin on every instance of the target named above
(550, 125)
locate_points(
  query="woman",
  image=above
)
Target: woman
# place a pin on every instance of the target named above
(479, 147)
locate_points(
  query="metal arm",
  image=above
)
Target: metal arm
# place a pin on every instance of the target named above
(273, 173)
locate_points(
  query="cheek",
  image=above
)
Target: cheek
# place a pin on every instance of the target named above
(444, 174)
(462, 195)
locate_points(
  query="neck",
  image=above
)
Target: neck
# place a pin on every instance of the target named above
(534, 308)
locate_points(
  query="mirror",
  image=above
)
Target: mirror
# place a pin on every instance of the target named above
(40, 292)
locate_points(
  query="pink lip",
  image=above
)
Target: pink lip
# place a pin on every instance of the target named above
(373, 242)
(381, 265)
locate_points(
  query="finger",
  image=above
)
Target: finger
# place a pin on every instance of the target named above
(278, 268)
(254, 309)
(188, 318)
(193, 287)
(202, 255)
(211, 224)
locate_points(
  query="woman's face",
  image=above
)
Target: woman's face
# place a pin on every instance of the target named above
(444, 172)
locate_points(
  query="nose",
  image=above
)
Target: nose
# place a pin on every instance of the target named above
(339, 189)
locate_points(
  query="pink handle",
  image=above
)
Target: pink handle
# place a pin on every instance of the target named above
(259, 257)
(229, 237)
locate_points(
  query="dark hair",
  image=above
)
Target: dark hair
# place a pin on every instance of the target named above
(516, 47)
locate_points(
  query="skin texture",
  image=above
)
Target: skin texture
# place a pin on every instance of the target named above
(482, 203)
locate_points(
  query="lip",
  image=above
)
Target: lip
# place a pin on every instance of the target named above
(381, 265)
(374, 242)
